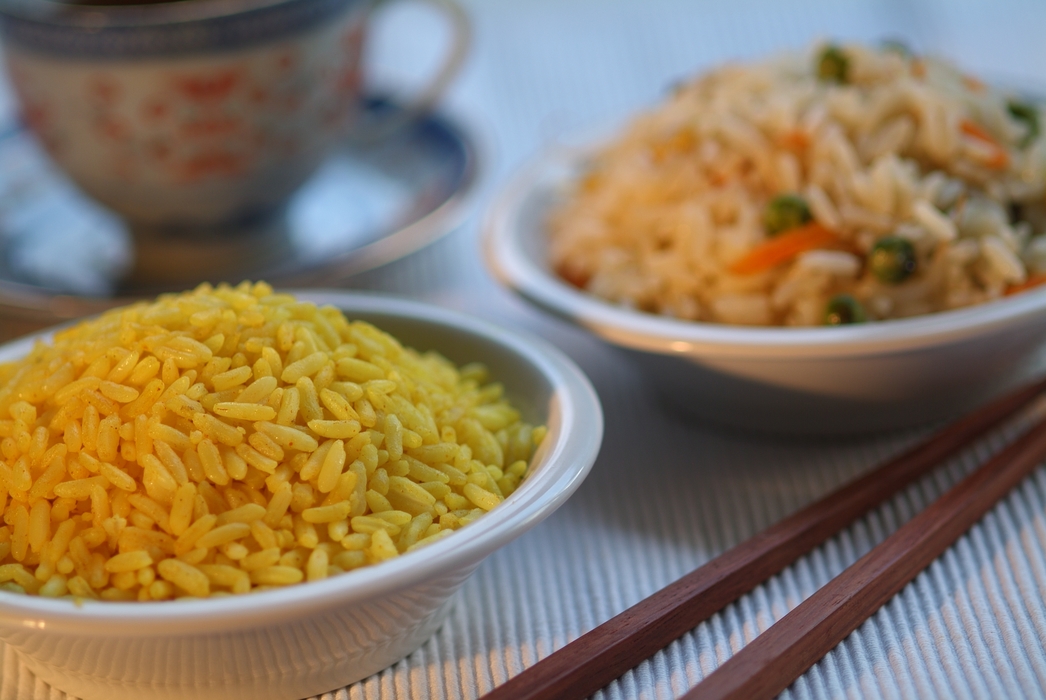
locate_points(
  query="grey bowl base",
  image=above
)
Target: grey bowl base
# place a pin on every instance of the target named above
(713, 397)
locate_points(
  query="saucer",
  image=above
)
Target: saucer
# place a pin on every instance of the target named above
(63, 256)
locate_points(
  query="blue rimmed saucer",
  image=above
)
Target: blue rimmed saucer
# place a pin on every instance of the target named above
(63, 256)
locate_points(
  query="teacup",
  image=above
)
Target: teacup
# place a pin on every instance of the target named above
(198, 113)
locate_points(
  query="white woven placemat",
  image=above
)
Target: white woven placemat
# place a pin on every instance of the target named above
(665, 494)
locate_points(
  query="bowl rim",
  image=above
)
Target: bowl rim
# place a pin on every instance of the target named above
(503, 236)
(577, 435)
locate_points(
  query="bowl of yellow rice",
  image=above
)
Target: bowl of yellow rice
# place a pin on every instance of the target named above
(238, 493)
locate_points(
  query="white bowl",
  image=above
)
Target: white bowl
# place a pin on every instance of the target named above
(838, 380)
(314, 637)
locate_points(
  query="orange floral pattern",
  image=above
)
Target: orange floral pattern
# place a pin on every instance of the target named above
(217, 121)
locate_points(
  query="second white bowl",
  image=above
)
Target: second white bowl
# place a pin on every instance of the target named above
(839, 380)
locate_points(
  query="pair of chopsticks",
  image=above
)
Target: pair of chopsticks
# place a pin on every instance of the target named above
(774, 659)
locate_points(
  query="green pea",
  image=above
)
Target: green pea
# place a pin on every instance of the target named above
(896, 46)
(1029, 115)
(833, 66)
(892, 259)
(843, 309)
(784, 212)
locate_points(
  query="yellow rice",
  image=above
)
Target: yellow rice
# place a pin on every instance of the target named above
(231, 440)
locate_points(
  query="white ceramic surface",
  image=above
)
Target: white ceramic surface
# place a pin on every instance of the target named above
(314, 637)
(840, 380)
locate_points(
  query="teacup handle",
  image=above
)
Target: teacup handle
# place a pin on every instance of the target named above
(461, 37)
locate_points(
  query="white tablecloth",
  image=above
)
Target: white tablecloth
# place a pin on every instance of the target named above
(665, 494)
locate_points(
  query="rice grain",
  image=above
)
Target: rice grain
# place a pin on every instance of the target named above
(233, 439)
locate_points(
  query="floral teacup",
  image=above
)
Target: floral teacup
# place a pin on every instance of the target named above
(199, 113)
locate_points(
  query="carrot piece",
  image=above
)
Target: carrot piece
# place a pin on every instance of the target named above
(971, 128)
(783, 248)
(573, 274)
(999, 158)
(796, 140)
(972, 84)
(682, 141)
(1030, 283)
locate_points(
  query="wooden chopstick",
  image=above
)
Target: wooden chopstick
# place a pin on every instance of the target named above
(598, 657)
(774, 659)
